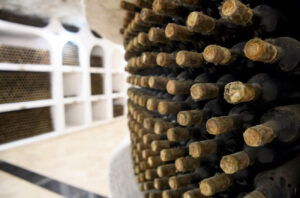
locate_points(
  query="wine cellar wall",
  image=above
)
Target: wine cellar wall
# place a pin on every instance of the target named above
(214, 106)
(60, 79)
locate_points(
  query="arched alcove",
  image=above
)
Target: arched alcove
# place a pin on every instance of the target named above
(96, 58)
(70, 54)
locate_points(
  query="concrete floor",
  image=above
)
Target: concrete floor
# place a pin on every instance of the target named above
(80, 159)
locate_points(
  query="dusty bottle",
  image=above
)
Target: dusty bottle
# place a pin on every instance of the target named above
(283, 51)
(280, 124)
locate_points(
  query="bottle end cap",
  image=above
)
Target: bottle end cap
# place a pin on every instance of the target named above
(163, 107)
(213, 126)
(184, 118)
(254, 49)
(258, 135)
(171, 87)
(229, 164)
(161, 59)
(255, 194)
(234, 92)
(206, 188)
(195, 149)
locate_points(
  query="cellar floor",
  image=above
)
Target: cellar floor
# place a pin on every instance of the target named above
(80, 159)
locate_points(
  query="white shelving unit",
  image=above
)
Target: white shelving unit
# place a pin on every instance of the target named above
(73, 106)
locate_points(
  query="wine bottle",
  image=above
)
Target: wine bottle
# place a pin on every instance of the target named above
(166, 170)
(261, 87)
(190, 59)
(264, 156)
(170, 154)
(283, 51)
(263, 19)
(239, 118)
(194, 193)
(222, 182)
(170, 8)
(222, 144)
(280, 124)
(161, 183)
(149, 16)
(282, 181)
(129, 6)
(207, 91)
(214, 107)
(183, 85)
(182, 180)
(175, 193)
(184, 133)
(188, 163)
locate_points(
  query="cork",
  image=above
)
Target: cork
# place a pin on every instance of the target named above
(164, 59)
(217, 55)
(199, 22)
(144, 81)
(178, 32)
(148, 138)
(202, 148)
(152, 104)
(169, 107)
(158, 82)
(148, 185)
(171, 154)
(189, 59)
(204, 91)
(149, 16)
(167, 7)
(195, 193)
(176, 87)
(141, 177)
(158, 145)
(237, 161)
(157, 35)
(259, 50)
(189, 118)
(155, 161)
(166, 170)
(185, 164)
(259, 135)
(220, 125)
(237, 12)
(148, 153)
(161, 126)
(238, 92)
(215, 184)
(143, 39)
(151, 174)
(178, 134)
(161, 183)
(178, 181)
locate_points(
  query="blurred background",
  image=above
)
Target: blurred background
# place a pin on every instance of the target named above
(62, 96)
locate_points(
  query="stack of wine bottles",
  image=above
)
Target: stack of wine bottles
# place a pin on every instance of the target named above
(23, 55)
(70, 54)
(214, 107)
(24, 86)
(96, 61)
(21, 124)
(97, 84)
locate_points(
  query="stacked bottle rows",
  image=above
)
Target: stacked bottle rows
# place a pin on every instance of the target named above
(24, 123)
(23, 55)
(24, 86)
(97, 84)
(214, 109)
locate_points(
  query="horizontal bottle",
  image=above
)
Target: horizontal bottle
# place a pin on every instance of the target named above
(207, 91)
(170, 154)
(161, 126)
(284, 51)
(280, 124)
(219, 146)
(161, 183)
(188, 163)
(153, 194)
(149, 16)
(177, 32)
(141, 177)
(239, 118)
(129, 6)
(148, 153)
(282, 181)
(263, 19)
(157, 35)
(261, 87)
(190, 59)
(151, 174)
(170, 8)
(182, 180)
(214, 107)
(224, 182)
(159, 145)
(264, 156)
(194, 193)
(183, 85)
(149, 185)
(148, 138)
(154, 161)
(175, 193)
(149, 122)
(164, 59)
(176, 134)
(166, 170)
(158, 82)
